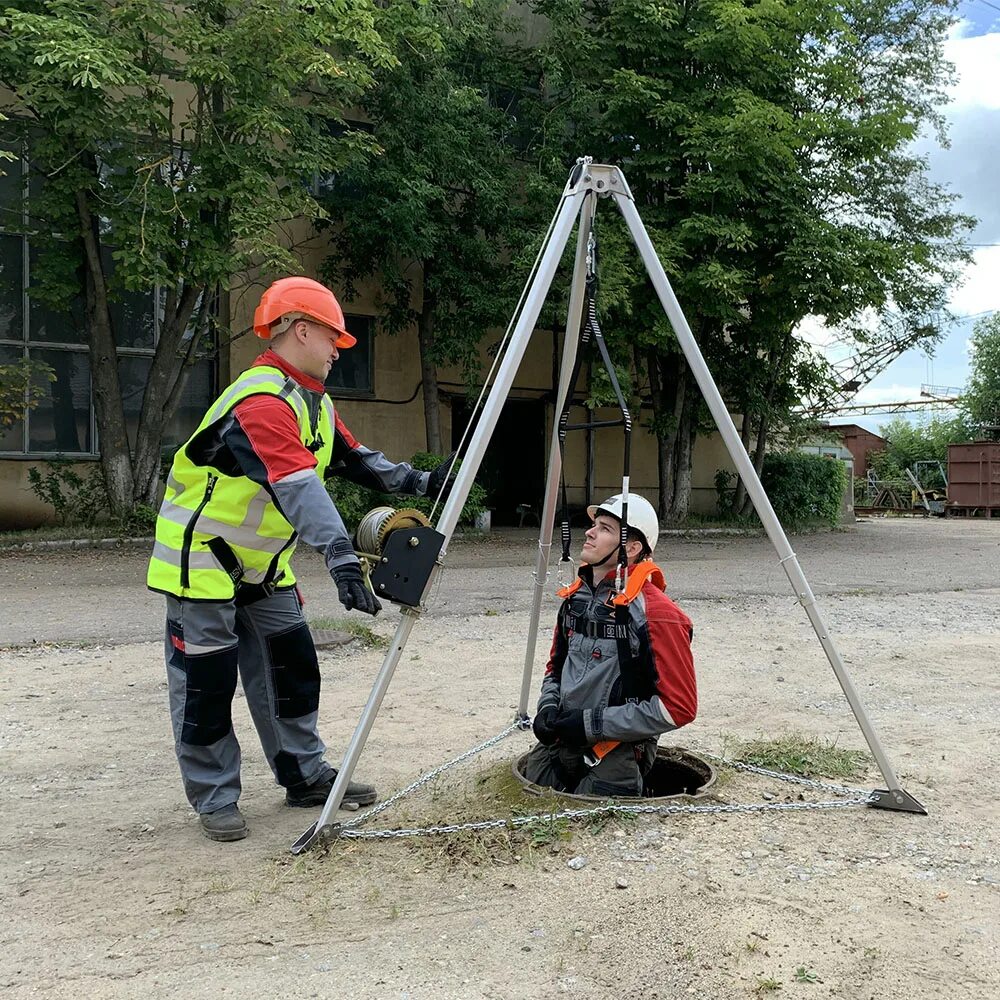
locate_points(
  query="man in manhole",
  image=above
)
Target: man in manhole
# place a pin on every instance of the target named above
(620, 672)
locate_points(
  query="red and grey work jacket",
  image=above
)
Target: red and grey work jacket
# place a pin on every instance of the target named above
(627, 665)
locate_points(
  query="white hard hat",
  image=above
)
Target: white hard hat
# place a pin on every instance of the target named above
(641, 515)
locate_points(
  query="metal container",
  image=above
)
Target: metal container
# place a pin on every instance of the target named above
(974, 474)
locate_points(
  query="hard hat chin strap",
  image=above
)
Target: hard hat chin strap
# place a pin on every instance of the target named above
(285, 323)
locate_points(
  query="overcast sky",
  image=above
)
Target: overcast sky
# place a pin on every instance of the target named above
(970, 167)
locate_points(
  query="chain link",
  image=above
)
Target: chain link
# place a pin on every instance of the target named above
(351, 829)
(781, 776)
(612, 809)
(429, 776)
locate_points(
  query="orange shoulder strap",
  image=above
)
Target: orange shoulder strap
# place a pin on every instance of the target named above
(641, 572)
(570, 589)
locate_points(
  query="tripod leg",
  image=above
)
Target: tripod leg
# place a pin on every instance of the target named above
(570, 208)
(574, 317)
(896, 798)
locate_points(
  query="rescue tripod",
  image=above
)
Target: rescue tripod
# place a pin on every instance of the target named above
(412, 558)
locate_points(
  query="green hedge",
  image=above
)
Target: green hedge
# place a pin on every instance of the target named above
(804, 489)
(355, 501)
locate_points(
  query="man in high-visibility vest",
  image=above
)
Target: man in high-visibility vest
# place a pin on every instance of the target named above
(242, 491)
(620, 672)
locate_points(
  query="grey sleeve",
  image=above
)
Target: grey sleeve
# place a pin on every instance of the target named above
(370, 468)
(311, 512)
(630, 723)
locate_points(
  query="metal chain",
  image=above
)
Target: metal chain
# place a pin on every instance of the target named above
(781, 776)
(350, 828)
(429, 776)
(612, 809)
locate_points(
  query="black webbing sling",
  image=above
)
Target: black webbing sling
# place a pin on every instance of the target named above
(590, 332)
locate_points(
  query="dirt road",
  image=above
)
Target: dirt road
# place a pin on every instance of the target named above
(107, 889)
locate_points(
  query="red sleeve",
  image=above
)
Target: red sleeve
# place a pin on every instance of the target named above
(670, 647)
(273, 433)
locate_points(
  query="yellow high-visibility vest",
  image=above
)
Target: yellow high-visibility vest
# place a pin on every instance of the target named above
(202, 504)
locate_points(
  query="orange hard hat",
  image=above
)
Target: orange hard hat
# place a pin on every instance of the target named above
(300, 295)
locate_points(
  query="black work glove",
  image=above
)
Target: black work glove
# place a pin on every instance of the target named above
(570, 730)
(542, 725)
(443, 476)
(353, 593)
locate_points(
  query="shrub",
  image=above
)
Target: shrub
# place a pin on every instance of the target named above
(354, 501)
(804, 488)
(77, 499)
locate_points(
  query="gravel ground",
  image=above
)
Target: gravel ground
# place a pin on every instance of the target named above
(108, 890)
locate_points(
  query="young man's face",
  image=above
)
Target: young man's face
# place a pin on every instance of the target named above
(601, 541)
(319, 347)
(600, 548)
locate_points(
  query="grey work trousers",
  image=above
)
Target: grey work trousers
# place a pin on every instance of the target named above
(618, 773)
(269, 646)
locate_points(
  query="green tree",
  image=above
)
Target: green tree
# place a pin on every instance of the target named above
(431, 212)
(981, 399)
(167, 144)
(22, 388)
(768, 146)
(909, 443)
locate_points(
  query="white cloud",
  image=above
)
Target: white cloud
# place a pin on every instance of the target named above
(981, 290)
(977, 60)
(893, 393)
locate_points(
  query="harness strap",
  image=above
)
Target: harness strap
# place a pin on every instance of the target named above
(596, 630)
(247, 593)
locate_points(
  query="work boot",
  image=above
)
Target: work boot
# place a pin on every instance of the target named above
(226, 823)
(357, 794)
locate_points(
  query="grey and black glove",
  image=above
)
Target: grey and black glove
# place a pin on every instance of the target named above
(542, 725)
(351, 590)
(442, 477)
(569, 728)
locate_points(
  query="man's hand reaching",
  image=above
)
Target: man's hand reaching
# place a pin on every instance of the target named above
(353, 593)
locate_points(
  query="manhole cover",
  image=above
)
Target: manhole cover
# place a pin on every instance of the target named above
(676, 773)
(327, 638)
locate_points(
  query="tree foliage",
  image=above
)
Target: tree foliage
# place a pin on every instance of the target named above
(430, 211)
(981, 399)
(168, 142)
(22, 388)
(768, 146)
(805, 489)
(910, 443)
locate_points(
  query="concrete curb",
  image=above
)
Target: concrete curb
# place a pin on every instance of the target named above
(60, 544)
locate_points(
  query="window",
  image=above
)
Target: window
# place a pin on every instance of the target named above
(64, 422)
(352, 372)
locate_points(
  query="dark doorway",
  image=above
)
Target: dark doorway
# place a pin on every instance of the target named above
(513, 468)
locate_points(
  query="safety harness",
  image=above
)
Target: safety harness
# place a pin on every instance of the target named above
(635, 687)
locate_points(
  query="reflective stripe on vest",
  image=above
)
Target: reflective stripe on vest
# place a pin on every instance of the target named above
(201, 503)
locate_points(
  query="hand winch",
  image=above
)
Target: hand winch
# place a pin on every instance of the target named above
(398, 550)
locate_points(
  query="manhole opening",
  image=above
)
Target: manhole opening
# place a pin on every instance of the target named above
(675, 772)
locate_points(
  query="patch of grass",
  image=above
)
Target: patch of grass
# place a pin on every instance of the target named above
(769, 985)
(793, 753)
(62, 533)
(365, 635)
(546, 830)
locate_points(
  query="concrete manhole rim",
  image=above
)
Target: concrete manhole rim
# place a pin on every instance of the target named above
(669, 755)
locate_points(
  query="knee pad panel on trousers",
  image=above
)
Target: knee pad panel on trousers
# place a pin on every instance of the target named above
(294, 672)
(208, 699)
